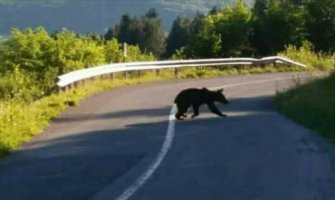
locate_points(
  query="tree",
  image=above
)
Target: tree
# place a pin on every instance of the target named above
(113, 51)
(259, 8)
(205, 44)
(29, 50)
(223, 34)
(145, 31)
(152, 36)
(31, 53)
(179, 35)
(75, 52)
(196, 23)
(214, 10)
(110, 34)
(234, 25)
(278, 23)
(321, 24)
(30, 60)
(129, 30)
(151, 13)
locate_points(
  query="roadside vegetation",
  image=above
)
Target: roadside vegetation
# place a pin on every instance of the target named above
(31, 59)
(311, 105)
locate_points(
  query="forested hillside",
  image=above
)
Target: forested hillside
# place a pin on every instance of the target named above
(184, 4)
(92, 15)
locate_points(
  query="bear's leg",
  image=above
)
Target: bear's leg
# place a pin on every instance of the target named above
(178, 116)
(215, 110)
(182, 109)
(196, 110)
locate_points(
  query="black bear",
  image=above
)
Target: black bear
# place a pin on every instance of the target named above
(196, 97)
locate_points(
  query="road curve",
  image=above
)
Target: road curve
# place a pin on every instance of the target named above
(98, 149)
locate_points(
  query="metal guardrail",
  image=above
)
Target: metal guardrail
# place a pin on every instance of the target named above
(82, 74)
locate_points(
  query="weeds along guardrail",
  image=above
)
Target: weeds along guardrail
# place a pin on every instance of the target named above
(69, 79)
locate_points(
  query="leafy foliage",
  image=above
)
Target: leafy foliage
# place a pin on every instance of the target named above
(311, 105)
(17, 85)
(146, 31)
(307, 55)
(321, 24)
(278, 23)
(30, 60)
(266, 29)
(73, 52)
(223, 34)
(178, 36)
(183, 32)
(30, 52)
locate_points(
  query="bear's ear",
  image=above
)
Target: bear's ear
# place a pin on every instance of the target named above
(220, 90)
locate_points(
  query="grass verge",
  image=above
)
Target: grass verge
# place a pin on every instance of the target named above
(312, 105)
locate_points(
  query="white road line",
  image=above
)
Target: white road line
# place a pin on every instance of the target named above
(155, 164)
(140, 181)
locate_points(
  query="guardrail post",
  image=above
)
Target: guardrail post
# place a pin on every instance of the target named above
(63, 89)
(75, 84)
(83, 82)
(71, 86)
(176, 70)
(59, 90)
(111, 76)
(125, 75)
(157, 72)
(275, 64)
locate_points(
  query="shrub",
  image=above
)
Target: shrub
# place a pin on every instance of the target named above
(306, 55)
(18, 85)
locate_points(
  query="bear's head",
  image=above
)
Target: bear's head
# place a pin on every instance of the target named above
(219, 96)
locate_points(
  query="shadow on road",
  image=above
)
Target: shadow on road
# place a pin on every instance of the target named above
(121, 114)
(263, 103)
(80, 165)
(77, 166)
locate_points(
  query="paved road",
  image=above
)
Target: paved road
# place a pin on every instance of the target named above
(98, 149)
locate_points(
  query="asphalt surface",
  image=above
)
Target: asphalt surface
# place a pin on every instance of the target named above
(99, 148)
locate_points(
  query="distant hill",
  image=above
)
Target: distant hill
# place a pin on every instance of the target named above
(194, 5)
(93, 15)
(172, 4)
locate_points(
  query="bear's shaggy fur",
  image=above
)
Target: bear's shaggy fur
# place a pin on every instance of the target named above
(196, 97)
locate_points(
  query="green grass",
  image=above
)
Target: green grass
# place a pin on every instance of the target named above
(312, 105)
